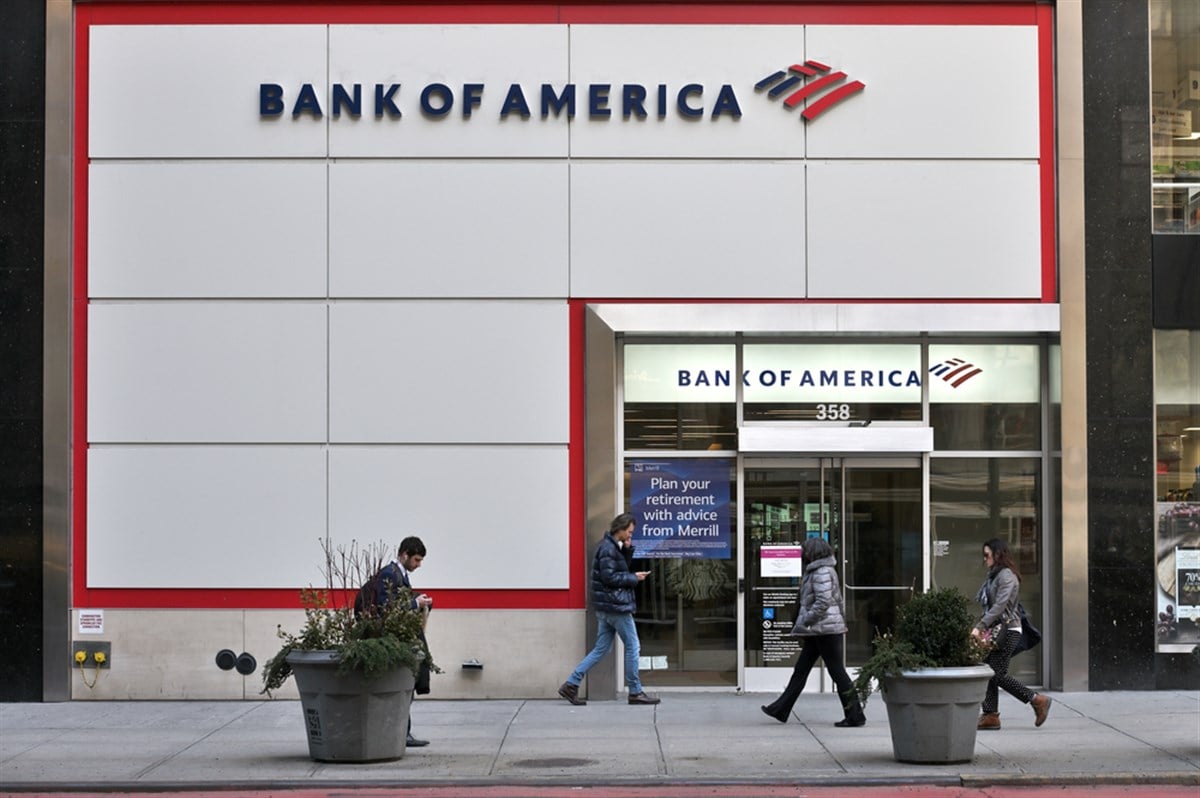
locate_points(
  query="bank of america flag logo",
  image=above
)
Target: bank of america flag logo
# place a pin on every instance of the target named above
(815, 83)
(955, 371)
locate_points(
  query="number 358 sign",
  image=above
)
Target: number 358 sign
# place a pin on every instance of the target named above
(833, 412)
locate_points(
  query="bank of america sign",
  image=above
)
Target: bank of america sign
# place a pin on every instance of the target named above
(811, 82)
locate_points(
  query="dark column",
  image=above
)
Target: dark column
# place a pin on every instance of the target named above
(1120, 345)
(22, 136)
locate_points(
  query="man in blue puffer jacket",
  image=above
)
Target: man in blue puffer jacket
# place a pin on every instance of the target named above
(613, 599)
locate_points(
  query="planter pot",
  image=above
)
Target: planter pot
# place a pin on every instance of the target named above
(350, 718)
(933, 712)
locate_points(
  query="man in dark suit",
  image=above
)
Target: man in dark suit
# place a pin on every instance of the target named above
(383, 587)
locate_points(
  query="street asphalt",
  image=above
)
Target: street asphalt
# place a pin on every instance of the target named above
(691, 738)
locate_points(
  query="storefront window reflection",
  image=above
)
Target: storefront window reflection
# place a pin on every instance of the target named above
(974, 499)
(680, 397)
(989, 398)
(1175, 126)
(1177, 483)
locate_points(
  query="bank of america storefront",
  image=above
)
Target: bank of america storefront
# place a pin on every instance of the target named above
(492, 274)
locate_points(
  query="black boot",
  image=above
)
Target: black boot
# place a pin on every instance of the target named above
(770, 711)
(854, 713)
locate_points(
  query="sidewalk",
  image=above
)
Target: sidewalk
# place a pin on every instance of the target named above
(691, 738)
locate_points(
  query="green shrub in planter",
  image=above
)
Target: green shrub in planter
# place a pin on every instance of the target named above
(372, 643)
(933, 630)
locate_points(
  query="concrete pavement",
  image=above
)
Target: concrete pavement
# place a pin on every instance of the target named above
(691, 738)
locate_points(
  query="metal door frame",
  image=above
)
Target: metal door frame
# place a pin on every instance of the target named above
(756, 682)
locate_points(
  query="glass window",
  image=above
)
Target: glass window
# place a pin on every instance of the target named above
(985, 397)
(1177, 487)
(832, 382)
(972, 500)
(680, 397)
(1175, 125)
(687, 607)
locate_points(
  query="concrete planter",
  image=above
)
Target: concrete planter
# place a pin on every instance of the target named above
(350, 718)
(933, 713)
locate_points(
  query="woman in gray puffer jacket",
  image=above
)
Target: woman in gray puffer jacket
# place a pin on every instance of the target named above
(820, 620)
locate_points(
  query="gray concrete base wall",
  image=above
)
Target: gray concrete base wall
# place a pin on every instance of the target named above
(171, 654)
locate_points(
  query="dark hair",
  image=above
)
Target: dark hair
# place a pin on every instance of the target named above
(412, 545)
(1001, 556)
(815, 548)
(620, 522)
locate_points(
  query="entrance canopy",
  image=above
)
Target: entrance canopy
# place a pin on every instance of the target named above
(835, 440)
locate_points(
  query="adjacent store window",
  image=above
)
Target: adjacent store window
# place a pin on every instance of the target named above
(1177, 488)
(1175, 124)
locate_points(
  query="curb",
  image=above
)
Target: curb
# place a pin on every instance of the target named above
(1180, 778)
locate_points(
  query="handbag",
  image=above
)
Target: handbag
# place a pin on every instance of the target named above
(1030, 634)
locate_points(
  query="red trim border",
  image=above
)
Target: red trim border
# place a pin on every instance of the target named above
(1048, 154)
(1022, 12)
(1014, 12)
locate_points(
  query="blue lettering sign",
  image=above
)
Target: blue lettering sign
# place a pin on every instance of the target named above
(598, 101)
(690, 90)
(270, 99)
(550, 101)
(444, 96)
(472, 98)
(383, 101)
(437, 101)
(633, 101)
(514, 102)
(307, 102)
(351, 101)
(727, 103)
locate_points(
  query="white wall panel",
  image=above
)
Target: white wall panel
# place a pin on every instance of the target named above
(193, 90)
(206, 229)
(491, 517)
(939, 91)
(205, 516)
(704, 229)
(708, 55)
(449, 372)
(924, 230)
(416, 56)
(448, 228)
(206, 372)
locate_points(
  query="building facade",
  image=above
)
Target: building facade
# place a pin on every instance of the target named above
(492, 274)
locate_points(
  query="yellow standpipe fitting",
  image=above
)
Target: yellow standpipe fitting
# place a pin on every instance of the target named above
(80, 657)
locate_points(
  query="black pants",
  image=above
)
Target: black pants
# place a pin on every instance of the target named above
(829, 648)
(999, 659)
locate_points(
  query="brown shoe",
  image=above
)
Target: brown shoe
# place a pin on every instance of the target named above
(1041, 708)
(571, 693)
(989, 720)
(642, 698)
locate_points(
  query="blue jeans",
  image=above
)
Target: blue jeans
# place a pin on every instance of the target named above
(608, 624)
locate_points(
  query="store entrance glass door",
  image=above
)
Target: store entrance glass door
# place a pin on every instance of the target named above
(869, 509)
